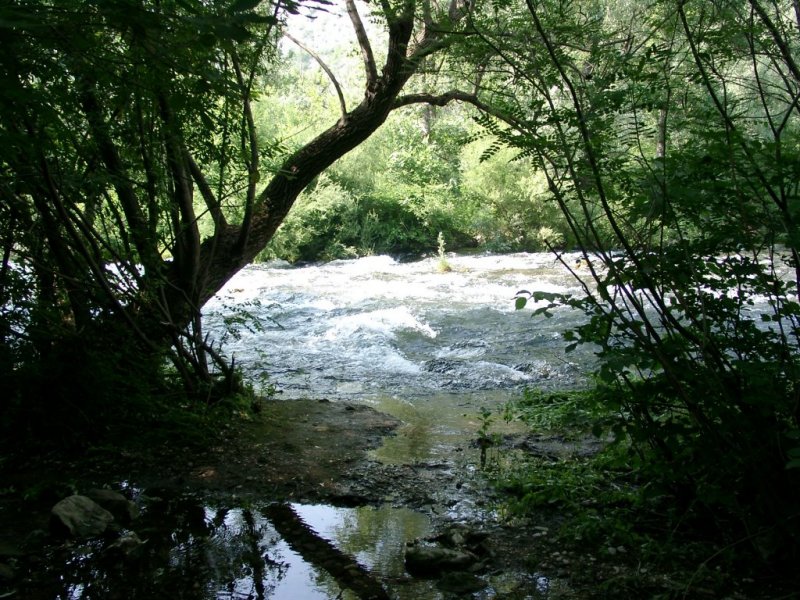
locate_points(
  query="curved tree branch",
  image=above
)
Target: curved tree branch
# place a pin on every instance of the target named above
(401, 27)
(777, 37)
(110, 155)
(363, 42)
(212, 203)
(458, 96)
(328, 72)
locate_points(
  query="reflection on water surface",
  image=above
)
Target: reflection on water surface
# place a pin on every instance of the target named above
(291, 552)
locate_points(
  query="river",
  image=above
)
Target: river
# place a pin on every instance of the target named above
(430, 347)
(374, 327)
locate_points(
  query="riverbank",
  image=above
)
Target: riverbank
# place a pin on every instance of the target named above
(288, 453)
(299, 483)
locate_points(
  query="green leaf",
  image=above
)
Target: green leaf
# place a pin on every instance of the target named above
(243, 5)
(520, 302)
(232, 32)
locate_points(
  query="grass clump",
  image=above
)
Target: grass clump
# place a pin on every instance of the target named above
(443, 266)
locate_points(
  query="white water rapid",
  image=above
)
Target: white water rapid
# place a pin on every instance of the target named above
(376, 328)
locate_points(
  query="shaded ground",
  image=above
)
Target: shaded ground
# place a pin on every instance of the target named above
(286, 449)
(302, 451)
(290, 450)
(317, 452)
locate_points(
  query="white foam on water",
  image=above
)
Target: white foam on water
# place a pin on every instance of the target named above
(367, 264)
(385, 322)
(501, 372)
(355, 328)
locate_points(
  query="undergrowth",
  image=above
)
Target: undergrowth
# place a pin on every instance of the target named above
(609, 527)
(86, 407)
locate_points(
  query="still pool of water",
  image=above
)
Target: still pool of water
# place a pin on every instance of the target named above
(285, 552)
(198, 551)
(370, 541)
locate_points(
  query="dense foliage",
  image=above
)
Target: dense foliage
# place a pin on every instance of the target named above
(135, 183)
(110, 111)
(671, 134)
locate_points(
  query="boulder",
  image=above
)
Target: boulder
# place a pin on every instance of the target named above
(462, 538)
(128, 545)
(124, 510)
(79, 516)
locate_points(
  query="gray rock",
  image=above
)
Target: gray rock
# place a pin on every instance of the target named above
(432, 560)
(440, 365)
(124, 510)
(79, 516)
(128, 545)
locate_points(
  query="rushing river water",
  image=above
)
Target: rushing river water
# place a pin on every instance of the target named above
(373, 328)
(431, 348)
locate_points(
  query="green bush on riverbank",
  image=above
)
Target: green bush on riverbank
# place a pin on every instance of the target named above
(379, 201)
(617, 524)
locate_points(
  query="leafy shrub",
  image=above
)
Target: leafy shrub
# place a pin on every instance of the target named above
(625, 533)
(330, 222)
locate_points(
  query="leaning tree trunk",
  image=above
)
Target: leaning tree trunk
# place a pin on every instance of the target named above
(234, 246)
(224, 256)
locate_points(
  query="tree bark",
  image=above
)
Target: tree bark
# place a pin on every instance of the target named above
(221, 256)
